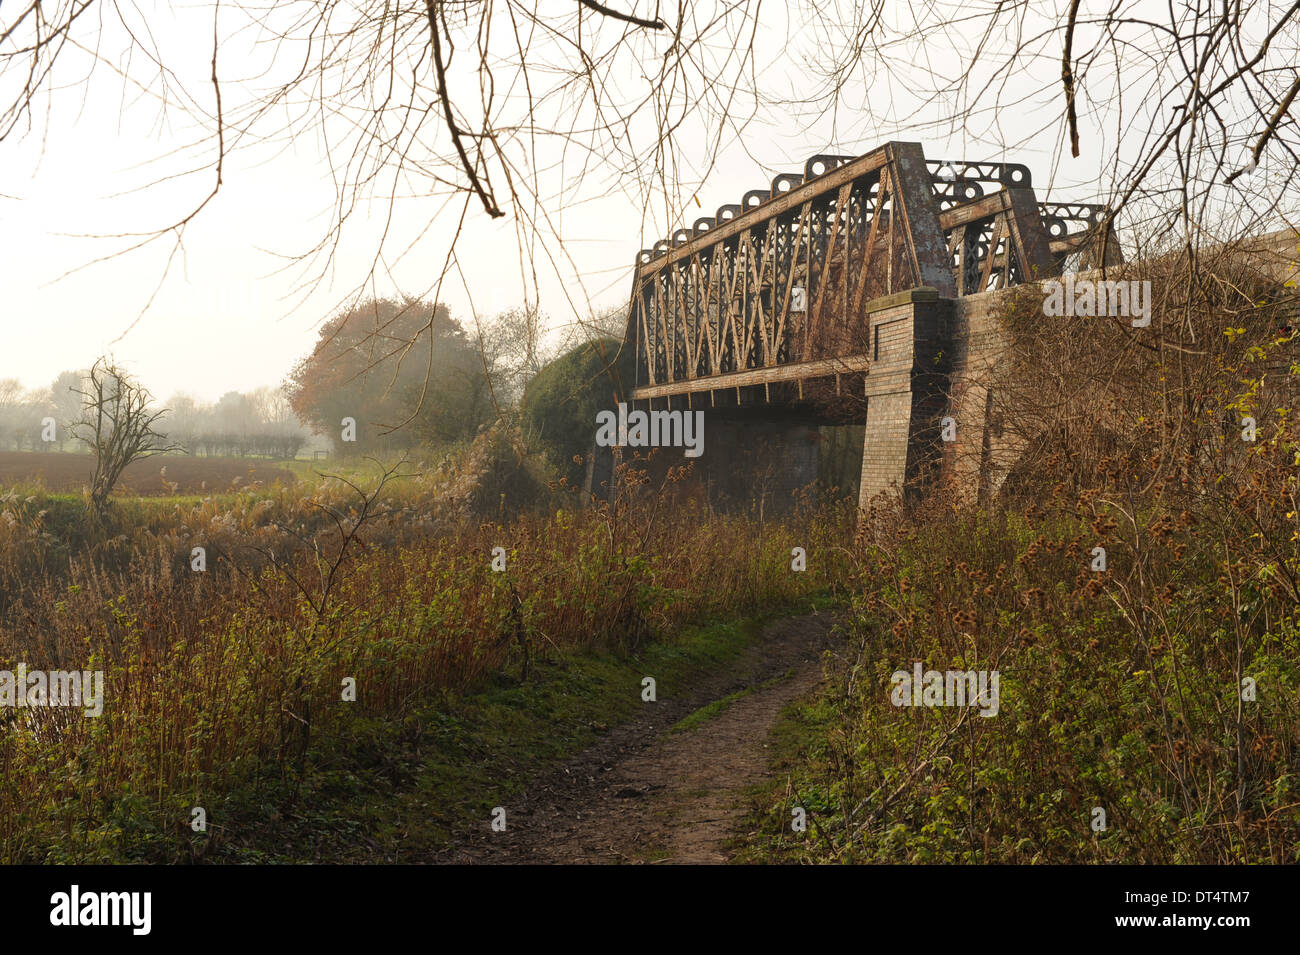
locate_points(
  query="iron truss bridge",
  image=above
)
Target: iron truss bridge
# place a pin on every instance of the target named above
(773, 288)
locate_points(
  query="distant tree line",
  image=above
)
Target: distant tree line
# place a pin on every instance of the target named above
(403, 370)
(257, 423)
(24, 414)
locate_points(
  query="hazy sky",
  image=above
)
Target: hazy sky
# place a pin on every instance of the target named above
(224, 318)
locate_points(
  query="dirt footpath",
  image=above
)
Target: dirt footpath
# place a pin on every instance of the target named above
(643, 794)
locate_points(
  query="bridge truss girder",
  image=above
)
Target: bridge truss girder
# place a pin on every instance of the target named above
(782, 278)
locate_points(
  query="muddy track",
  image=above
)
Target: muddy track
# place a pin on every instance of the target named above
(644, 794)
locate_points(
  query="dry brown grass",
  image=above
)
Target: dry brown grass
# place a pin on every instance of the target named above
(220, 678)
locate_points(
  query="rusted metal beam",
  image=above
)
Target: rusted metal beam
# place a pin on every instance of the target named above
(775, 206)
(804, 370)
(1025, 227)
(915, 208)
(1017, 211)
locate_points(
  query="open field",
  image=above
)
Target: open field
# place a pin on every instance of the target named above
(62, 473)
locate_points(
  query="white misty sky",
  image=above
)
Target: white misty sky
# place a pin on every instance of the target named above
(224, 319)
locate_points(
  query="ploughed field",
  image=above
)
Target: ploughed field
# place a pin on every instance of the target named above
(66, 472)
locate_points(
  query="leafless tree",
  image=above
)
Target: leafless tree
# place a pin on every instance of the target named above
(117, 423)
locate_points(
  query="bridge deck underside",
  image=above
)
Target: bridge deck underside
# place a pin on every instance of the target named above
(799, 373)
